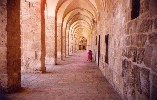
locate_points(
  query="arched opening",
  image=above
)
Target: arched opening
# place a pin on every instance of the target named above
(57, 35)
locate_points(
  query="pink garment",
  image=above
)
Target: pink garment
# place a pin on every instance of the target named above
(90, 55)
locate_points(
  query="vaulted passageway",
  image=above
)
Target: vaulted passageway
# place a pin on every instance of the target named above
(37, 35)
(73, 79)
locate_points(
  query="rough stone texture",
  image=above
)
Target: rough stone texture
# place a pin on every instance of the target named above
(132, 48)
(154, 60)
(145, 83)
(154, 88)
(3, 43)
(153, 38)
(155, 23)
(13, 45)
(140, 55)
(137, 79)
(141, 40)
(31, 36)
(50, 40)
(63, 44)
(59, 41)
(74, 79)
(148, 55)
(67, 43)
(146, 26)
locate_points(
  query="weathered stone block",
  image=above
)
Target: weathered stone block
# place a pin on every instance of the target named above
(3, 63)
(153, 38)
(128, 53)
(145, 83)
(3, 53)
(133, 40)
(148, 56)
(154, 81)
(129, 28)
(155, 23)
(154, 59)
(124, 52)
(125, 66)
(3, 39)
(136, 73)
(141, 40)
(128, 79)
(140, 55)
(154, 88)
(128, 41)
(145, 26)
(153, 93)
(133, 53)
(144, 6)
(152, 7)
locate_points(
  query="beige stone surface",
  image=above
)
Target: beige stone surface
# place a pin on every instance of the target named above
(74, 79)
(38, 32)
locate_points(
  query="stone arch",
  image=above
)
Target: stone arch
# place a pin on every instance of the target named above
(67, 10)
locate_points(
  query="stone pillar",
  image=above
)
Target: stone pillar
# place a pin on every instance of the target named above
(10, 74)
(63, 41)
(3, 44)
(33, 36)
(13, 45)
(63, 45)
(50, 40)
(43, 36)
(59, 38)
(67, 42)
(55, 39)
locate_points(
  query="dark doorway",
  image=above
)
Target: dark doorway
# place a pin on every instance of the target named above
(80, 47)
(99, 51)
(107, 42)
(84, 47)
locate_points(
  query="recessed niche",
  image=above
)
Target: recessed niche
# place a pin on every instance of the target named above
(135, 9)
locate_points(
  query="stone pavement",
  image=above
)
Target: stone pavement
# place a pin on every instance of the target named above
(73, 79)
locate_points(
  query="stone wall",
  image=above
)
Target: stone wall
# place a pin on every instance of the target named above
(132, 49)
(31, 35)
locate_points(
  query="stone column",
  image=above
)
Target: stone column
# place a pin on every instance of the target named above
(67, 42)
(33, 36)
(12, 74)
(43, 45)
(59, 39)
(64, 45)
(50, 40)
(3, 44)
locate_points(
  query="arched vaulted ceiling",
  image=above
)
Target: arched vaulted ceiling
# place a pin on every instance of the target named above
(78, 16)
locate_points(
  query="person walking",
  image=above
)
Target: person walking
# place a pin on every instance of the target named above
(90, 55)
